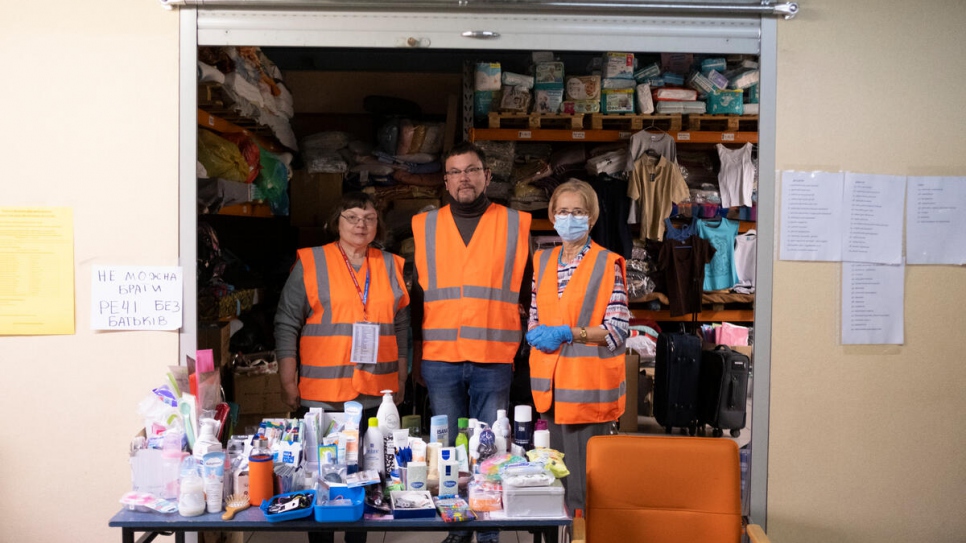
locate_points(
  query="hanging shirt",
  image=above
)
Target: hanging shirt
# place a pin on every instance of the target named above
(736, 180)
(684, 265)
(643, 141)
(746, 252)
(680, 234)
(720, 273)
(655, 184)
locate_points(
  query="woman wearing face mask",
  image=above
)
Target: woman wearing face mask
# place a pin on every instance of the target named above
(578, 324)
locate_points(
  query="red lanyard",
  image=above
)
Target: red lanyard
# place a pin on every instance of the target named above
(363, 294)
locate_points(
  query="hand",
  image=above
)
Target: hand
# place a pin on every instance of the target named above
(290, 396)
(548, 338)
(400, 395)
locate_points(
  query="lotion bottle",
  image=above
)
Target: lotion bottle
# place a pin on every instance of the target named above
(373, 448)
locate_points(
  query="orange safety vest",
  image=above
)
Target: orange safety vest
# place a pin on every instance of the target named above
(326, 374)
(583, 383)
(471, 292)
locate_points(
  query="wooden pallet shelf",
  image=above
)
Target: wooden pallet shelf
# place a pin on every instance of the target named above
(710, 315)
(535, 120)
(601, 136)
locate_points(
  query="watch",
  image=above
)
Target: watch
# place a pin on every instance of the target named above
(583, 335)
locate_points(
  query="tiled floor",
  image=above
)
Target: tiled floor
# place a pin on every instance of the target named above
(379, 537)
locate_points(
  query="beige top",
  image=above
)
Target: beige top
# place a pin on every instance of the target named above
(656, 183)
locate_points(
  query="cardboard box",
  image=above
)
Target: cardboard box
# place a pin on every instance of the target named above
(216, 336)
(628, 421)
(313, 197)
(258, 394)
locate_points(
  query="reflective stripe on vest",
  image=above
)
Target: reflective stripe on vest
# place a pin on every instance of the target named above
(325, 372)
(584, 383)
(471, 308)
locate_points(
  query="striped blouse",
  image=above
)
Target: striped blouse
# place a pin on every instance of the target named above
(615, 318)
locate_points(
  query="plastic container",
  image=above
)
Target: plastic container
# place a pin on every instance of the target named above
(439, 430)
(171, 457)
(289, 505)
(534, 501)
(522, 426)
(261, 474)
(342, 513)
(387, 415)
(373, 448)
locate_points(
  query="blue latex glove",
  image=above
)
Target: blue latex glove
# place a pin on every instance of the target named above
(549, 338)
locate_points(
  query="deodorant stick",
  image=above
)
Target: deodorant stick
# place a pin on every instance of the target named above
(439, 430)
(522, 426)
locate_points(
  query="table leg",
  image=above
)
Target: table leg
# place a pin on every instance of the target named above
(127, 535)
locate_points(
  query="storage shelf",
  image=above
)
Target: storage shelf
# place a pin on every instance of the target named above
(221, 125)
(710, 315)
(600, 136)
(543, 225)
(249, 209)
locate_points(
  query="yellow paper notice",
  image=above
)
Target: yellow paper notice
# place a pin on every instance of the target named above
(36, 271)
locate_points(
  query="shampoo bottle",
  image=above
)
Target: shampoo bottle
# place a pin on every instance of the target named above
(388, 418)
(373, 449)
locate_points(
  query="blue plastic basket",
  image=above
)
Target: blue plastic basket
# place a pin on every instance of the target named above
(288, 515)
(342, 513)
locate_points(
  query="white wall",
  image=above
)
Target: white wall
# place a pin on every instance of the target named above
(89, 94)
(866, 443)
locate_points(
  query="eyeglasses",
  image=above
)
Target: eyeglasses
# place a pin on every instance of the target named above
(571, 212)
(472, 171)
(370, 220)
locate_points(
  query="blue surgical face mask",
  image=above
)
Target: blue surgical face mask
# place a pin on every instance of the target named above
(571, 228)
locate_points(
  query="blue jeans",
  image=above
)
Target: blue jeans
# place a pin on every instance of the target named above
(467, 389)
(472, 390)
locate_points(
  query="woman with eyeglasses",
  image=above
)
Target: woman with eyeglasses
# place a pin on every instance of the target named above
(342, 325)
(578, 324)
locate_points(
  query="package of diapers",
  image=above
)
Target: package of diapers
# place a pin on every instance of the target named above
(511, 79)
(487, 76)
(725, 102)
(572, 107)
(645, 103)
(549, 75)
(515, 100)
(617, 101)
(547, 100)
(584, 87)
(618, 65)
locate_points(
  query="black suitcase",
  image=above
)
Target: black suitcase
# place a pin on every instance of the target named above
(723, 390)
(676, 373)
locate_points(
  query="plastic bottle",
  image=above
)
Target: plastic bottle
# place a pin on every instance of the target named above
(474, 455)
(206, 442)
(191, 498)
(501, 429)
(541, 435)
(171, 457)
(387, 415)
(439, 430)
(463, 436)
(373, 448)
(261, 473)
(388, 418)
(522, 426)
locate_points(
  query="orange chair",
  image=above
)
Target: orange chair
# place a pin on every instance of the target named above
(644, 489)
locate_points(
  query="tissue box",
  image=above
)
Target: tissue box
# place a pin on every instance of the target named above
(402, 499)
(534, 501)
(618, 65)
(617, 101)
(725, 102)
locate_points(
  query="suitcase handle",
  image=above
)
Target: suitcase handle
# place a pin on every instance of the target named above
(733, 396)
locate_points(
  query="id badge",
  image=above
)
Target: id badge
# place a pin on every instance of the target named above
(365, 343)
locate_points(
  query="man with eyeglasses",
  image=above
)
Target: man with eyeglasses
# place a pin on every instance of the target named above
(471, 257)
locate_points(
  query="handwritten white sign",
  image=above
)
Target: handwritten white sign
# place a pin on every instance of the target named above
(136, 298)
